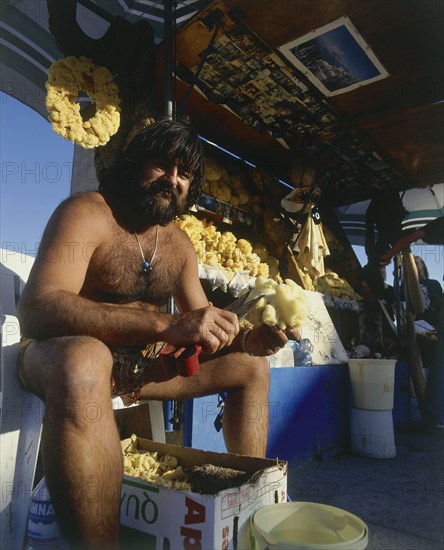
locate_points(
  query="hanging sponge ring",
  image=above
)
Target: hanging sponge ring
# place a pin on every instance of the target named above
(68, 77)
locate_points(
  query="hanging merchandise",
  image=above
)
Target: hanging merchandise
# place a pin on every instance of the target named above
(312, 248)
(67, 78)
(131, 67)
(301, 199)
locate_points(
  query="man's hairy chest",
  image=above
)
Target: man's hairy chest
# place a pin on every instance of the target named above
(116, 273)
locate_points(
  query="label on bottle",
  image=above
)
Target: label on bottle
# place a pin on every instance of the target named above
(42, 523)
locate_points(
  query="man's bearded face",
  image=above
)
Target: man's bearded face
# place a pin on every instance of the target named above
(158, 200)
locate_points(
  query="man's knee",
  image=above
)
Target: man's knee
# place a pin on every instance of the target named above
(85, 363)
(255, 371)
(69, 367)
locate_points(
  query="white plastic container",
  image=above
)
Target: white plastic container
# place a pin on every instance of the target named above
(372, 383)
(307, 525)
(372, 433)
(43, 529)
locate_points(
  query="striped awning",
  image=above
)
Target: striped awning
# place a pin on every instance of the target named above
(422, 205)
(27, 48)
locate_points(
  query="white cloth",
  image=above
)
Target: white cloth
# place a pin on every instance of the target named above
(313, 248)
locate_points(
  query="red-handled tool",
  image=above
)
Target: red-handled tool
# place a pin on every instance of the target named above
(185, 360)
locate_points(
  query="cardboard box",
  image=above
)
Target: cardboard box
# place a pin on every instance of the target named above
(157, 517)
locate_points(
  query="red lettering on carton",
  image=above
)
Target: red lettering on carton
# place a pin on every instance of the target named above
(225, 537)
(195, 514)
(195, 511)
(192, 538)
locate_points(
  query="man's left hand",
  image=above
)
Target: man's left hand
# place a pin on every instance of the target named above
(267, 340)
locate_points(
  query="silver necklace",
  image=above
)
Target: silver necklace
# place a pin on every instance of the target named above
(147, 267)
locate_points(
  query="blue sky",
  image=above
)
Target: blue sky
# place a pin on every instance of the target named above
(35, 174)
(35, 178)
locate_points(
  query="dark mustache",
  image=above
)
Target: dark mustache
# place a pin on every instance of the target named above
(161, 186)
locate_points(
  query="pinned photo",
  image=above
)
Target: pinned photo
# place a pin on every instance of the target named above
(335, 58)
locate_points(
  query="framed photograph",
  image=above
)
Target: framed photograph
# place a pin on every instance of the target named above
(335, 58)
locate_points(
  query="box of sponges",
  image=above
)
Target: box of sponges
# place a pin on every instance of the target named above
(175, 497)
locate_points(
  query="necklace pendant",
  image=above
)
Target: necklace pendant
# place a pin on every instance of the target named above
(146, 267)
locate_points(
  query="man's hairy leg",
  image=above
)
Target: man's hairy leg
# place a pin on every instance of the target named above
(245, 419)
(81, 452)
(246, 378)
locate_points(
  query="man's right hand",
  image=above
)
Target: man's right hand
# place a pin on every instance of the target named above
(210, 327)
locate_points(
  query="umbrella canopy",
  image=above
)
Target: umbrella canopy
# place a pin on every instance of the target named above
(422, 205)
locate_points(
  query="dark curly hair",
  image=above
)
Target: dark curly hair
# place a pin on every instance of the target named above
(174, 140)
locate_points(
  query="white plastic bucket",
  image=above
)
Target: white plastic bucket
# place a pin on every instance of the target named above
(372, 383)
(372, 433)
(307, 525)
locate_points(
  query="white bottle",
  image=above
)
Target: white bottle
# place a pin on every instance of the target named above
(43, 529)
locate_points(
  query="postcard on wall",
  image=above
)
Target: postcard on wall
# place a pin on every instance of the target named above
(335, 58)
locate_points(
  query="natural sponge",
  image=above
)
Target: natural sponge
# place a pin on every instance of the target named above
(283, 304)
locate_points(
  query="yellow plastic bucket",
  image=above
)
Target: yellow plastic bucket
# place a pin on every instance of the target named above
(307, 525)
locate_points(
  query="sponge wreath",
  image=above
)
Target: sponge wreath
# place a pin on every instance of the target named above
(68, 77)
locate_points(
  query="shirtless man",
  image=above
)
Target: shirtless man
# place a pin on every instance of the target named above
(92, 304)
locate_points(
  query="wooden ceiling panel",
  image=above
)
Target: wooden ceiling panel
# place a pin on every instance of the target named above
(399, 135)
(401, 117)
